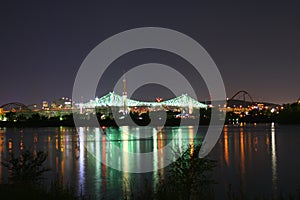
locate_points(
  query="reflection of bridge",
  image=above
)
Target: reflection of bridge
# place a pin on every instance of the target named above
(14, 107)
(113, 99)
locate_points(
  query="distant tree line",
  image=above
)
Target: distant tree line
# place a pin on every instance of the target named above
(253, 116)
(290, 114)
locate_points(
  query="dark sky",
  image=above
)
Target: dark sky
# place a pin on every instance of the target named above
(255, 45)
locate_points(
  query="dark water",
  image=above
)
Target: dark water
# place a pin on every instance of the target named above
(261, 160)
(252, 160)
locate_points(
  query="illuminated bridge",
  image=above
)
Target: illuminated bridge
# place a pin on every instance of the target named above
(113, 99)
(14, 107)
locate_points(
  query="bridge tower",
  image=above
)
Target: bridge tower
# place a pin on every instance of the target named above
(124, 95)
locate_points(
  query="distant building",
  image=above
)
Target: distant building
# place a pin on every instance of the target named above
(45, 105)
(53, 105)
(62, 103)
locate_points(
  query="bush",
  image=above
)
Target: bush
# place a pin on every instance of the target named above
(189, 177)
(26, 167)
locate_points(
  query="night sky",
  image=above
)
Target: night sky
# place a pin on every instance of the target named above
(255, 45)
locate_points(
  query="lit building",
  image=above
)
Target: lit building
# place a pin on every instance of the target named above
(62, 103)
(45, 105)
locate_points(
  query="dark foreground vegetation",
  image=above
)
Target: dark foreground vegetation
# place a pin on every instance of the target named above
(26, 182)
(188, 178)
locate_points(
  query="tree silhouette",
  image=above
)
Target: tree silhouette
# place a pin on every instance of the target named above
(27, 167)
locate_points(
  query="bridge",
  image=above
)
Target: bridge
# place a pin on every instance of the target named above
(14, 107)
(113, 99)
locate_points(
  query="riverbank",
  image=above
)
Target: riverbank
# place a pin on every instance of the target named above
(287, 116)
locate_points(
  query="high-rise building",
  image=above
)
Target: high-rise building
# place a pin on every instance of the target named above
(124, 95)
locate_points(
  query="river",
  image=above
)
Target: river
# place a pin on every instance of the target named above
(253, 160)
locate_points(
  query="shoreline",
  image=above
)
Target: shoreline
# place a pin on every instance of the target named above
(110, 124)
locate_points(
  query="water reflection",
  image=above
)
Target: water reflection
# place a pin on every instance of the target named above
(81, 159)
(247, 156)
(2, 148)
(226, 145)
(243, 162)
(274, 160)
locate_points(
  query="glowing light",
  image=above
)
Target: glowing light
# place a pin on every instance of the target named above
(272, 110)
(10, 144)
(113, 99)
(159, 99)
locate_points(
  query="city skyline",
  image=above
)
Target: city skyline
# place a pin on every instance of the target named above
(255, 46)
